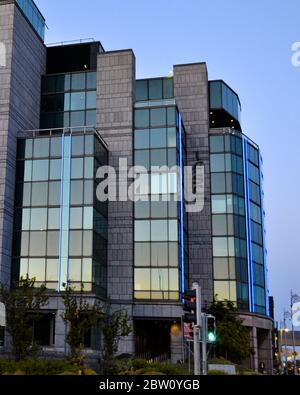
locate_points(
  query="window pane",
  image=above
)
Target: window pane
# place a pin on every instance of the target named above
(159, 230)
(78, 81)
(75, 270)
(77, 145)
(77, 168)
(159, 157)
(76, 218)
(38, 219)
(142, 254)
(27, 171)
(141, 118)
(77, 118)
(159, 254)
(220, 246)
(91, 100)
(90, 118)
(172, 137)
(142, 209)
(91, 80)
(55, 149)
(76, 192)
(53, 244)
(168, 88)
(88, 218)
(75, 245)
(173, 280)
(41, 148)
(142, 158)
(173, 230)
(55, 169)
(222, 290)
(159, 279)
(155, 89)
(39, 193)
(52, 270)
(87, 269)
(89, 145)
(142, 279)
(77, 101)
(216, 144)
(87, 243)
(88, 192)
(89, 167)
(141, 90)
(142, 231)
(54, 193)
(219, 225)
(217, 163)
(53, 218)
(172, 157)
(171, 115)
(40, 170)
(37, 244)
(36, 269)
(141, 139)
(158, 116)
(159, 209)
(221, 269)
(218, 183)
(158, 138)
(219, 204)
(173, 254)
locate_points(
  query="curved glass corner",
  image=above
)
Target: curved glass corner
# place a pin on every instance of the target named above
(224, 98)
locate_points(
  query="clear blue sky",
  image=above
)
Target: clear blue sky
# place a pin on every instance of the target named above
(247, 44)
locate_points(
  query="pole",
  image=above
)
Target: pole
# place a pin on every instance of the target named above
(204, 345)
(285, 340)
(197, 328)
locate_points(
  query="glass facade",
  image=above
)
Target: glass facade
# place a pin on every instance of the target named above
(60, 231)
(238, 250)
(159, 251)
(69, 100)
(34, 16)
(223, 97)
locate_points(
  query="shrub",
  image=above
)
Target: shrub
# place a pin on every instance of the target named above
(36, 367)
(217, 373)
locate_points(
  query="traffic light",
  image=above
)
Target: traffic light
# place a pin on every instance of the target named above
(211, 329)
(190, 305)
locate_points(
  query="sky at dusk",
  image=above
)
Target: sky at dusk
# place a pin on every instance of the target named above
(245, 43)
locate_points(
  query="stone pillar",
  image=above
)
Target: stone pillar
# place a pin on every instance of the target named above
(191, 95)
(20, 92)
(115, 101)
(265, 353)
(254, 359)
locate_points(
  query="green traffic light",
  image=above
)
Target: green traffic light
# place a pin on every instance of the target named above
(211, 337)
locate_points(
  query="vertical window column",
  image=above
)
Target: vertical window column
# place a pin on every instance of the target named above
(65, 212)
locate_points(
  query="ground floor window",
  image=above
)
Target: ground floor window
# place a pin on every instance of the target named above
(44, 329)
(2, 334)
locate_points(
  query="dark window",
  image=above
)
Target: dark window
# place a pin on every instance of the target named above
(141, 93)
(155, 89)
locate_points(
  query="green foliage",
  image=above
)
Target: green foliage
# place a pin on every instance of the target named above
(217, 373)
(142, 367)
(21, 303)
(36, 367)
(233, 339)
(114, 327)
(219, 361)
(80, 317)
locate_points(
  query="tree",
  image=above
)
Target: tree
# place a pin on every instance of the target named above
(114, 327)
(23, 304)
(80, 317)
(233, 339)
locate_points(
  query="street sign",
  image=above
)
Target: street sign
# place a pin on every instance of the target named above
(2, 315)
